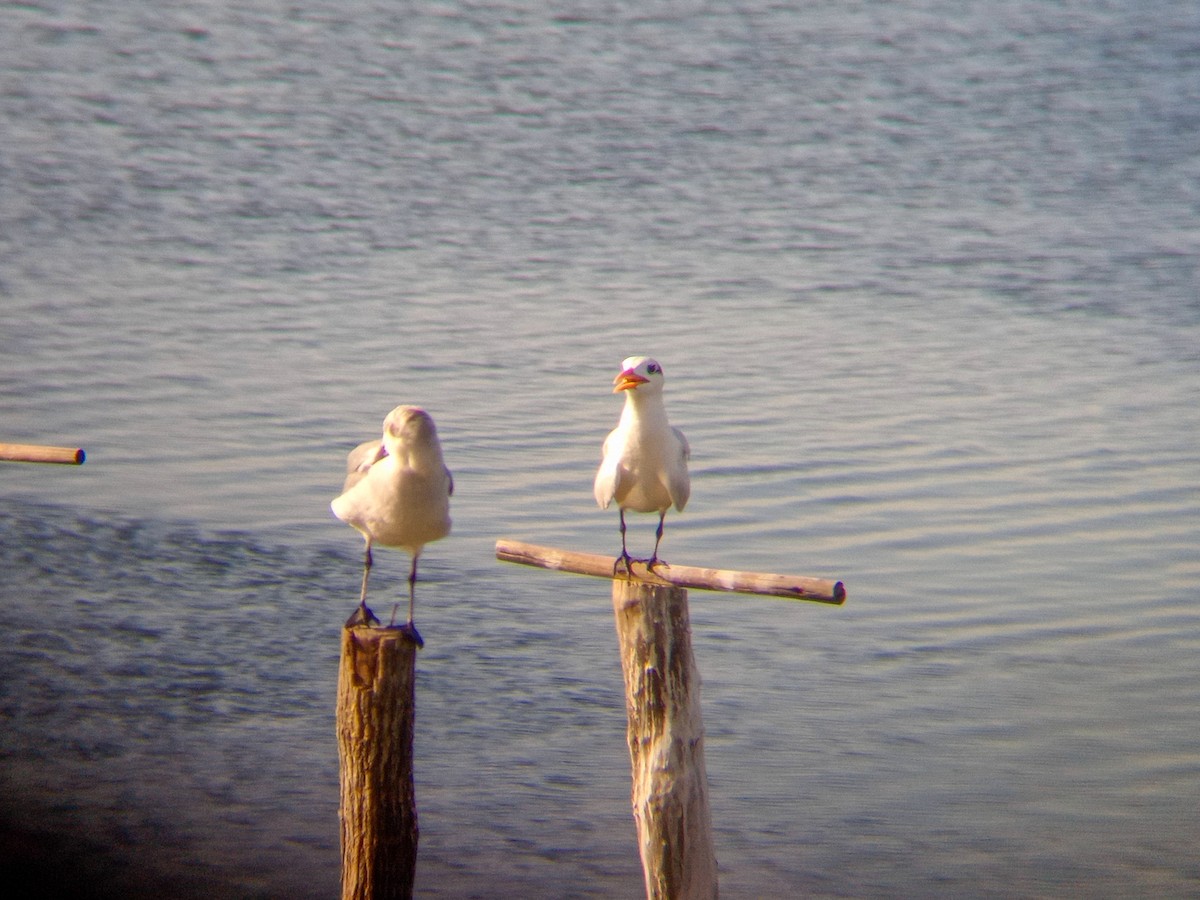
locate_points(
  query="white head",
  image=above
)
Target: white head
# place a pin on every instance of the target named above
(639, 374)
(409, 431)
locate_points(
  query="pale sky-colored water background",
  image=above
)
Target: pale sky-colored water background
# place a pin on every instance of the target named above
(923, 279)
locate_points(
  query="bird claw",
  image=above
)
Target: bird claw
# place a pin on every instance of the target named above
(409, 630)
(362, 615)
(626, 561)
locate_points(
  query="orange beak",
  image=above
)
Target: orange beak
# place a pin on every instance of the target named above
(628, 379)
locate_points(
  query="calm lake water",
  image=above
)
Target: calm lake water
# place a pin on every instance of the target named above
(923, 278)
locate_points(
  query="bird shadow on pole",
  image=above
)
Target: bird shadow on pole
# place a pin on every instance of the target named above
(665, 731)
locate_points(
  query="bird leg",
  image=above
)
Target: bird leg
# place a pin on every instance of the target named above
(367, 562)
(653, 561)
(409, 628)
(363, 615)
(624, 557)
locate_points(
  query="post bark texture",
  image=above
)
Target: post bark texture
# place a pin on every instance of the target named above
(666, 741)
(375, 715)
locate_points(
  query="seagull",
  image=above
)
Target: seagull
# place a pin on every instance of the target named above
(644, 461)
(397, 494)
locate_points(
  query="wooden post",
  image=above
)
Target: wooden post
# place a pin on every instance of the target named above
(375, 713)
(665, 730)
(666, 741)
(70, 456)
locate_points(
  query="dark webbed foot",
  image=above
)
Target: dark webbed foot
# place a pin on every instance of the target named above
(409, 630)
(362, 615)
(624, 561)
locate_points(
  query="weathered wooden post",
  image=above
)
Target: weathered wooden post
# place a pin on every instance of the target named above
(666, 740)
(375, 714)
(665, 730)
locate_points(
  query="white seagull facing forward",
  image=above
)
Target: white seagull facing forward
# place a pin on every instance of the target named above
(397, 494)
(644, 461)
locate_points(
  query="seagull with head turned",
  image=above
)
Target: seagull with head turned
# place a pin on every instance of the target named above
(644, 461)
(397, 494)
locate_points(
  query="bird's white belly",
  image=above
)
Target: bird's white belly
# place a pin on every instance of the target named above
(643, 493)
(410, 513)
(402, 533)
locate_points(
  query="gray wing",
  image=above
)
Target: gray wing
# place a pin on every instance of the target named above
(608, 476)
(360, 460)
(679, 483)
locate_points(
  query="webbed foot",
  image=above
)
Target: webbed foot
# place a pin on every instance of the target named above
(362, 615)
(409, 630)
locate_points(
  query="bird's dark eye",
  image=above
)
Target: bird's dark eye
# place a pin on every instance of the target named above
(654, 368)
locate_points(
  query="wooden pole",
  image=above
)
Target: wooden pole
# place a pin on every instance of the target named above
(666, 741)
(70, 456)
(792, 587)
(375, 713)
(665, 730)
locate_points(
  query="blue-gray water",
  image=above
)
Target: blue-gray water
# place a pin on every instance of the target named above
(923, 277)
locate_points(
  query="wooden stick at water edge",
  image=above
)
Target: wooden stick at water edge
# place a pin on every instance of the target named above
(69, 456)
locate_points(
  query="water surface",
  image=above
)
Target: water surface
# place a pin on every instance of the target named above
(923, 281)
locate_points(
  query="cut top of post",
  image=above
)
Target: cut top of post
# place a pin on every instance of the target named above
(792, 587)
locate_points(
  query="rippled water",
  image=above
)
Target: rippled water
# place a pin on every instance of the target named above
(923, 279)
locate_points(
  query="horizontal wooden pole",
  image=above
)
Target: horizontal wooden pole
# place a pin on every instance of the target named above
(70, 456)
(793, 587)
